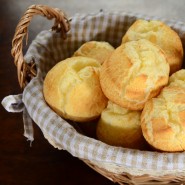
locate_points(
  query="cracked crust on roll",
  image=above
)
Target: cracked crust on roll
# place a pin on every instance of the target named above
(163, 118)
(72, 89)
(134, 73)
(98, 50)
(160, 34)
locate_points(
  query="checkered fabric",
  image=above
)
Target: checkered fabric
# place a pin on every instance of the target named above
(49, 48)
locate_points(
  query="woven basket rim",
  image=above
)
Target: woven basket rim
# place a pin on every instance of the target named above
(129, 14)
(157, 154)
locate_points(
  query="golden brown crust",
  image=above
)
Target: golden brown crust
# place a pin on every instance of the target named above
(118, 126)
(163, 118)
(178, 78)
(98, 50)
(160, 34)
(73, 90)
(135, 72)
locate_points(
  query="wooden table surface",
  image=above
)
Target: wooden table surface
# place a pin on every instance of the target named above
(40, 164)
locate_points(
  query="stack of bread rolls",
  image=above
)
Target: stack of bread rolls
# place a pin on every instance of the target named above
(136, 91)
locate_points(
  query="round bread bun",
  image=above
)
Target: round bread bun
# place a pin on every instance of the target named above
(160, 34)
(163, 118)
(98, 50)
(72, 89)
(178, 78)
(118, 126)
(134, 73)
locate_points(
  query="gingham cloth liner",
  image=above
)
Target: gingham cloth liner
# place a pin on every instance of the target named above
(13, 103)
(47, 49)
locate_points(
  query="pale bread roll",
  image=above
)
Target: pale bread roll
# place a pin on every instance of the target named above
(118, 126)
(160, 34)
(72, 89)
(163, 118)
(178, 78)
(134, 73)
(98, 50)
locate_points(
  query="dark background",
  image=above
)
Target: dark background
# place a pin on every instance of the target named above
(21, 164)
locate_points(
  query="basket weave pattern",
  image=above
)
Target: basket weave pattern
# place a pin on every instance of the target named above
(120, 165)
(27, 71)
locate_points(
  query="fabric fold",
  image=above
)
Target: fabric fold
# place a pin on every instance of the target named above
(14, 104)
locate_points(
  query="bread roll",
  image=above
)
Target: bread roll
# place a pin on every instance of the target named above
(72, 89)
(160, 34)
(163, 118)
(98, 50)
(134, 73)
(178, 78)
(120, 127)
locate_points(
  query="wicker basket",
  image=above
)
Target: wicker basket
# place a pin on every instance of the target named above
(26, 71)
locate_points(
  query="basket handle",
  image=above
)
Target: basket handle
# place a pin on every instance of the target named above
(27, 71)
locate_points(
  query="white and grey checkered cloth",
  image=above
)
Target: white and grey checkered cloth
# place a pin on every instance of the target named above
(49, 48)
